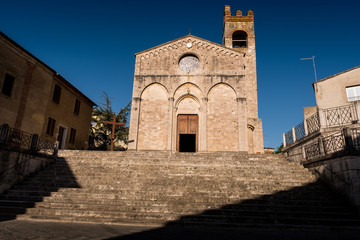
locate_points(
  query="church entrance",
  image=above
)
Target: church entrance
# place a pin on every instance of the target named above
(187, 132)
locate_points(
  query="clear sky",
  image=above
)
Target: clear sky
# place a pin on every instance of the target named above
(92, 44)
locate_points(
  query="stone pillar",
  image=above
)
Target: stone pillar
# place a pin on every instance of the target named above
(306, 128)
(294, 134)
(357, 110)
(34, 142)
(134, 123)
(242, 124)
(170, 123)
(303, 152)
(322, 119)
(349, 145)
(203, 146)
(56, 149)
(174, 130)
(321, 146)
(284, 140)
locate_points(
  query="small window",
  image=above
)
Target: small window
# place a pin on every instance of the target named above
(8, 85)
(239, 39)
(57, 94)
(77, 107)
(50, 126)
(72, 135)
(353, 93)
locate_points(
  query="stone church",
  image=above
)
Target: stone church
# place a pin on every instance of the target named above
(194, 95)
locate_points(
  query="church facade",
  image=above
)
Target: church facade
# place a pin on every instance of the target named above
(193, 95)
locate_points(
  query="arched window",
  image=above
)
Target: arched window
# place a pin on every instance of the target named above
(239, 39)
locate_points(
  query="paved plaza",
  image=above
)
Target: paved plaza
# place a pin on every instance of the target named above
(21, 229)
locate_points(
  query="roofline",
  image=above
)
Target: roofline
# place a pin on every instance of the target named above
(348, 70)
(186, 36)
(56, 75)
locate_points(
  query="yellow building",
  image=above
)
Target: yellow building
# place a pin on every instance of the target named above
(34, 98)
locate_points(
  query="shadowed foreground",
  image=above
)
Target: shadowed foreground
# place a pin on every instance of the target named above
(30, 229)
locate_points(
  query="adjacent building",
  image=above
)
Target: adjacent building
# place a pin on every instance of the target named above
(327, 141)
(34, 98)
(194, 95)
(337, 107)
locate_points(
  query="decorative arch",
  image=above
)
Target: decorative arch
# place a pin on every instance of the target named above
(157, 83)
(187, 89)
(188, 104)
(222, 119)
(219, 84)
(181, 98)
(153, 118)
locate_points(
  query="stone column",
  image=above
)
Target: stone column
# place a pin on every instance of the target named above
(294, 134)
(349, 144)
(284, 140)
(306, 128)
(303, 152)
(321, 146)
(170, 123)
(357, 109)
(322, 119)
(134, 123)
(242, 124)
(174, 130)
(203, 146)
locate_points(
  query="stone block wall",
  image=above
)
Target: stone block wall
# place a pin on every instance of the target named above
(16, 165)
(341, 173)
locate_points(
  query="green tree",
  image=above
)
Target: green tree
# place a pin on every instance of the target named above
(100, 133)
(279, 149)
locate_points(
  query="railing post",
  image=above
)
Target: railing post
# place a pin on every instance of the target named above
(34, 142)
(357, 109)
(294, 134)
(349, 145)
(322, 119)
(4, 134)
(284, 140)
(303, 152)
(321, 146)
(56, 148)
(306, 128)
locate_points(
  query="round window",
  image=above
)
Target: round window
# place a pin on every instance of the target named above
(189, 63)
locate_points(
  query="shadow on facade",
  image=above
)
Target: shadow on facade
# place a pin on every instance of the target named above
(300, 213)
(35, 187)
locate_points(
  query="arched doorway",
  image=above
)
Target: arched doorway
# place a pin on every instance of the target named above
(187, 132)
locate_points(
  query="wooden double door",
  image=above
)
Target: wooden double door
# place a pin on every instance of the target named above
(187, 132)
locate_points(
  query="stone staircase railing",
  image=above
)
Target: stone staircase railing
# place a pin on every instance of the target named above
(322, 119)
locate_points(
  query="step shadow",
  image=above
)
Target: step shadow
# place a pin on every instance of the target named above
(311, 211)
(39, 185)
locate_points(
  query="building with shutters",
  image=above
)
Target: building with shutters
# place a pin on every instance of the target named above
(34, 98)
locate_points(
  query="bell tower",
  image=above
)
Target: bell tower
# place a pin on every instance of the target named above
(238, 31)
(239, 35)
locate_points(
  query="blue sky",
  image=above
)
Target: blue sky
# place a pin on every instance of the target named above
(92, 44)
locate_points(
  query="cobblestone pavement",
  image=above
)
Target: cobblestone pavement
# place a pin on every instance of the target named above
(20, 229)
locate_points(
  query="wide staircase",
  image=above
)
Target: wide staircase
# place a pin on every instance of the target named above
(186, 189)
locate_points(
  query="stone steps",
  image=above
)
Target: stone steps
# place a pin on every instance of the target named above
(167, 213)
(217, 189)
(125, 188)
